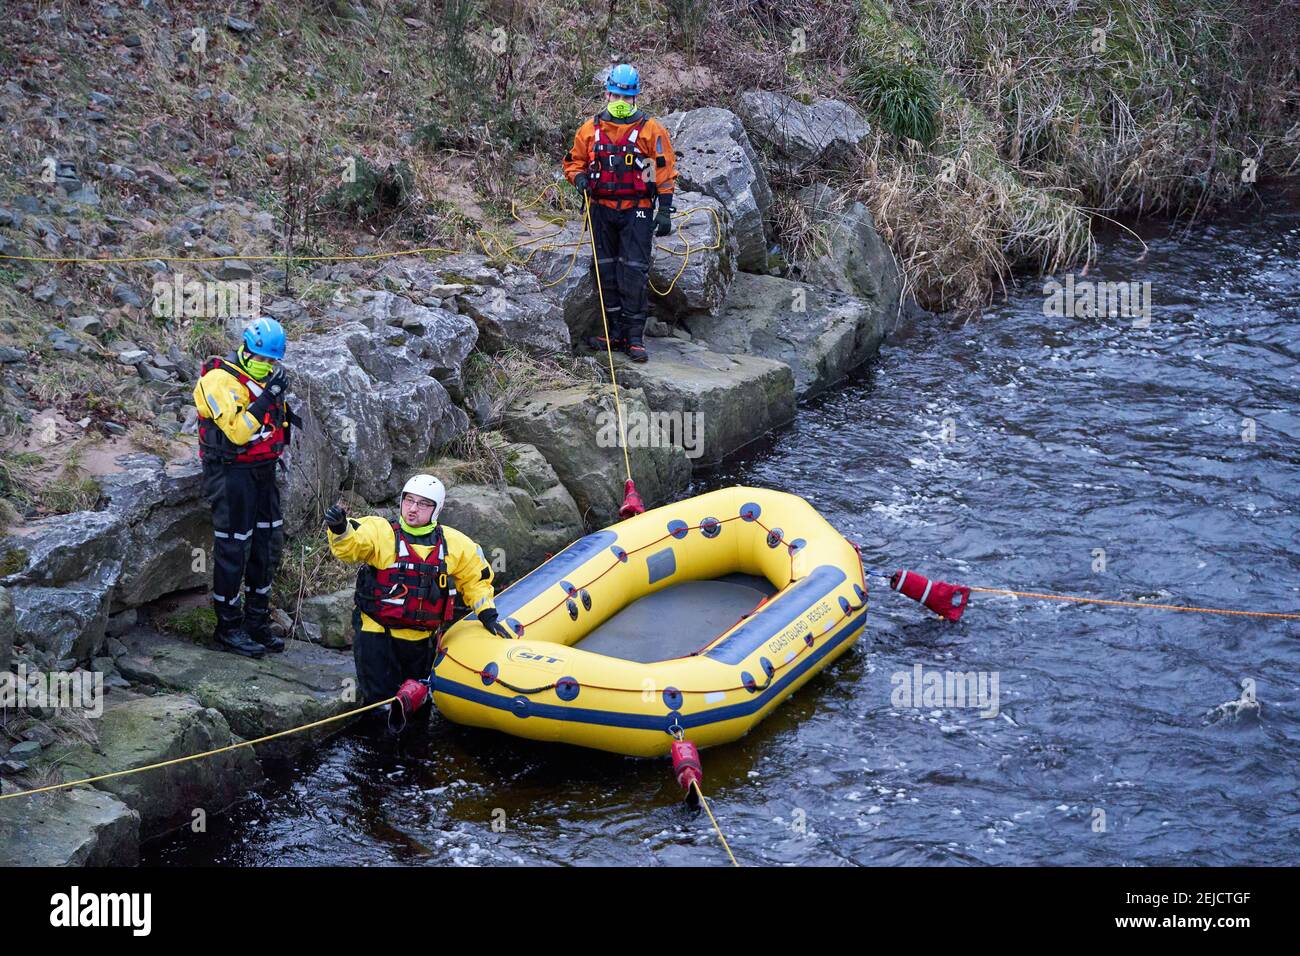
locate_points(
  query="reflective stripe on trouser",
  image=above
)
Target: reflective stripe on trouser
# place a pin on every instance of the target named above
(248, 536)
(623, 258)
(384, 662)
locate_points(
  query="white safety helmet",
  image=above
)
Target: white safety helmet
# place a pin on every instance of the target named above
(427, 486)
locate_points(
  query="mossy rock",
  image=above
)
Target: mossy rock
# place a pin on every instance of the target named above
(12, 560)
(455, 278)
(164, 727)
(511, 467)
(195, 623)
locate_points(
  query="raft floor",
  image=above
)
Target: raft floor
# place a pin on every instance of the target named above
(677, 620)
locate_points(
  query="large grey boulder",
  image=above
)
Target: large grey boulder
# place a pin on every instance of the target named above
(850, 255)
(153, 537)
(63, 548)
(331, 616)
(62, 622)
(715, 157)
(68, 566)
(521, 524)
(376, 405)
(76, 827)
(6, 629)
(821, 334)
(714, 403)
(561, 260)
(576, 431)
(441, 338)
(168, 535)
(257, 697)
(695, 263)
(508, 303)
(148, 730)
(315, 469)
(824, 131)
(418, 410)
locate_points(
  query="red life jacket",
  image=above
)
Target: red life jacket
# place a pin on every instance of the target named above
(267, 445)
(413, 592)
(616, 170)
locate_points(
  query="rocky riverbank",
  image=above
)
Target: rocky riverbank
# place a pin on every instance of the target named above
(459, 363)
(959, 147)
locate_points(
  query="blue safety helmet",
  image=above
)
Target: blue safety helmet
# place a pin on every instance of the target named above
(623, 80)
(265, 337)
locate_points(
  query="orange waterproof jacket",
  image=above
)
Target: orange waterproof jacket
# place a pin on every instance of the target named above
(653, 143)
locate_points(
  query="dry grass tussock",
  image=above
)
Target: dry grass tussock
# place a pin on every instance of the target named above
(504, 379)
(1003, 128)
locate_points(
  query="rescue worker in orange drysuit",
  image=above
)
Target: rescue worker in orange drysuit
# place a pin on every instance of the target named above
(623, 163)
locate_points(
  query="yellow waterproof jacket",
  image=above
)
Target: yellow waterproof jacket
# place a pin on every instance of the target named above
(222, 399)
(370, 540)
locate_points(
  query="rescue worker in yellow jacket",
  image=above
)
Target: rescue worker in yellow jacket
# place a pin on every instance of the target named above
(244, 426)
(406, 591)
(623, 163)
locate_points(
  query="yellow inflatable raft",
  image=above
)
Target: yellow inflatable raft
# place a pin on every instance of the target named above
(693, 620)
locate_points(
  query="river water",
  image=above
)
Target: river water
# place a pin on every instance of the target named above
(1074, 455)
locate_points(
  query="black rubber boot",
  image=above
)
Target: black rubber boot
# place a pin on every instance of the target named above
(237, 641)
(266, 637)
(257, 623)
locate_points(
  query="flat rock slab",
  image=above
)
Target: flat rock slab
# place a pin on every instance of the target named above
(717, 403)
(77, 827)
(149, 730)
(820, 333)
(257, 697)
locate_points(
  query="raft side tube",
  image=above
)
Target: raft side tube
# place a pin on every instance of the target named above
(540, 687)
